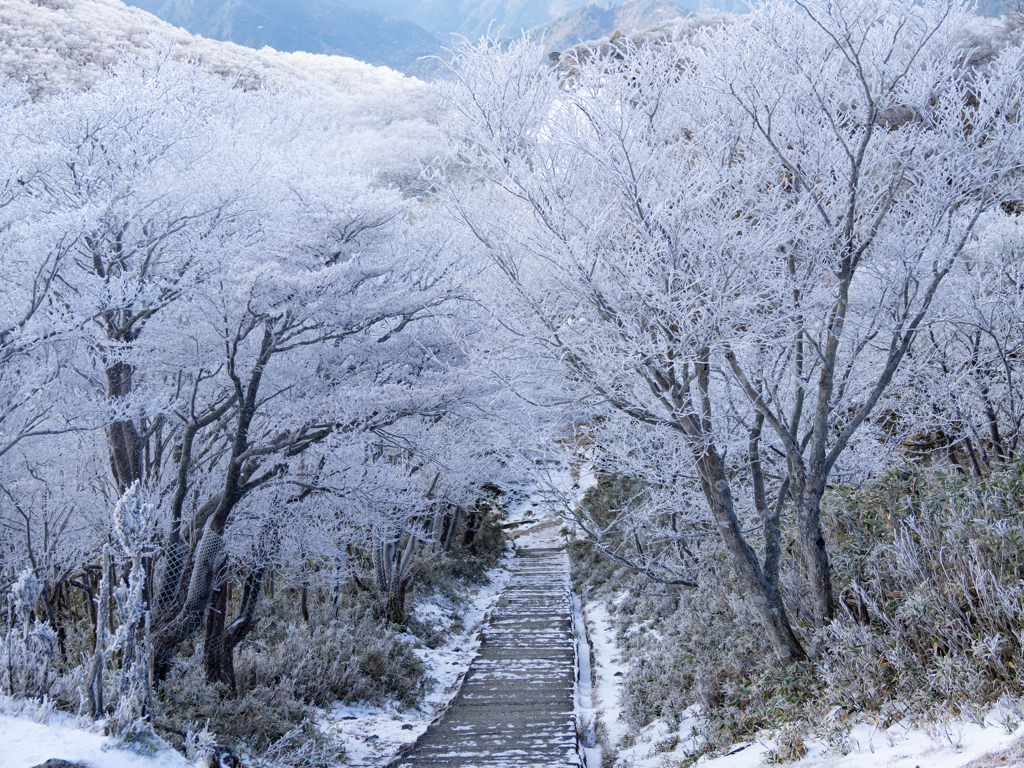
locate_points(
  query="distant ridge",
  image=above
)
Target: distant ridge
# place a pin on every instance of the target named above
(313, 26)
(59, 45)
(474, 18)
(595, 22)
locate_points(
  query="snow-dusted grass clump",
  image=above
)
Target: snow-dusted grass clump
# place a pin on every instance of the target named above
(289, 667)
(928, 570)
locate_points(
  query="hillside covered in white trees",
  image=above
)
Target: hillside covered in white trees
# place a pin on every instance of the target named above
(67, 45)
(295, 351)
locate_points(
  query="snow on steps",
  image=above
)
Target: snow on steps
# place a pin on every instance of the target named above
(516, 706)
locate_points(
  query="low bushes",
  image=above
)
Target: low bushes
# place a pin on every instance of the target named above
(350, 658)
(346, 651)
(310, 647)
(930, 578)
(287, 667)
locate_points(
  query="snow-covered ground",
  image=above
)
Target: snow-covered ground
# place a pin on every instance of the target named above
(372, 735)
(953, 744)
(999, 741)
(24, 742)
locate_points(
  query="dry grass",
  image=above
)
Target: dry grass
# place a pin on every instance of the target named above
(1013, 755)
(930, 575)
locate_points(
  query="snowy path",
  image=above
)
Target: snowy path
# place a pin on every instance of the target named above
(516, 705)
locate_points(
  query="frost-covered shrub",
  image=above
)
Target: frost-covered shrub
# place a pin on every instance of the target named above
(704, 647)
(28, 646)
(259, 717)
(285, 668)
(929, 574)
(442, 579)
(26, 660)
(352, 658)
(303, 746)
(603, 504)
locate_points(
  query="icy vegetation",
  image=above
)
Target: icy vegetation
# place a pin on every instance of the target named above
(284, 338)
(55, 47)
(928, 571)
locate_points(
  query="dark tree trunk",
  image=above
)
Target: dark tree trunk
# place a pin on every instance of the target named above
(220, 663)
(395, 604)
(222, 638)
(209, 557)
(126, 445)
(469, 541)
(213, 645)
(209, 554)
(453, 529)
(765, 597)
(819, 573)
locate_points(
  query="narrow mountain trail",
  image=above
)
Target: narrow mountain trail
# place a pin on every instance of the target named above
(515, 708)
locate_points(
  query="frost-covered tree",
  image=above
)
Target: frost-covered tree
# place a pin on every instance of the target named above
(963, 396)
(325, 332)
(34, 254)
(409, 489)
(142, 185)
(233, 306)
(729, 242)
(37, 341)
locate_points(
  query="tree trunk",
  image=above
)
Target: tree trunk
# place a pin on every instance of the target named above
(453, 530)
(766, 598)
(209, 554)
(472, 526)
(126, 447)
(213, 642)
(222, 638)
(395, 604)
(208, 558)
(819, 573)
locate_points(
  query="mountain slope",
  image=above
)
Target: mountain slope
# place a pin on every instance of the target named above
(56, 45)
(594, 22)
(314, 26)
(472, 18)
